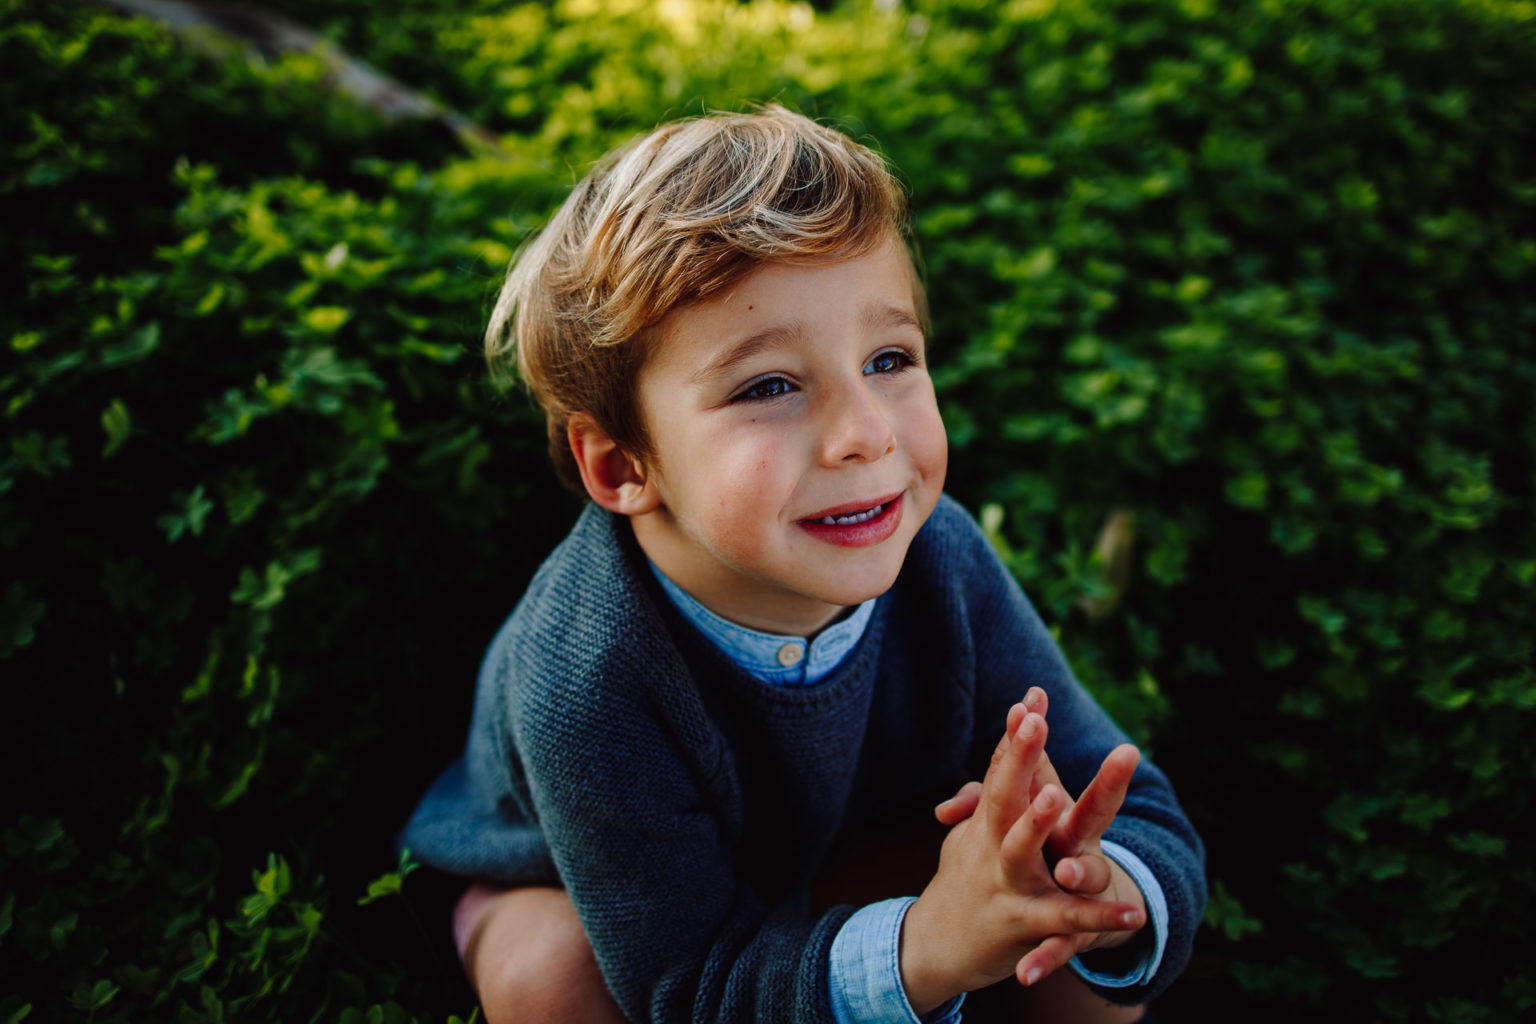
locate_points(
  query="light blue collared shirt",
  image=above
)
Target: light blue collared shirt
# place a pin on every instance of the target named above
(772, 657)
(865, 970)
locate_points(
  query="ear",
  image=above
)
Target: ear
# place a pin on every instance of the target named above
(613, 478)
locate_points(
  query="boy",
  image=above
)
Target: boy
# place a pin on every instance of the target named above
(769, 637)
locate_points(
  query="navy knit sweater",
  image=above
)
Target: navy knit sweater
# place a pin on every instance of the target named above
(686, 806)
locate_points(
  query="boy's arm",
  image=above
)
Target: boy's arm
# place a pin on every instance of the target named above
(1089, 864)
(1141, 826)
(1013, 651)
(993, 908)
(964, 933)
(648, 860)
(1085, 864)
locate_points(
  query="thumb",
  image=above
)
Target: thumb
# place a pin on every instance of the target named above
(960, 806)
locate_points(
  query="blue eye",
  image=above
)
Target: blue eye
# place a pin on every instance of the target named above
(768, 387)
(892, 360)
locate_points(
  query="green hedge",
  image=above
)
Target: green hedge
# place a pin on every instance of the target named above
(1262, 275)
(1234, 338)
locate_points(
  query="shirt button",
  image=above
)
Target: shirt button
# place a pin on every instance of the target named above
(790, 655)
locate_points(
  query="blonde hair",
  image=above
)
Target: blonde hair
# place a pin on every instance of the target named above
(667, 219)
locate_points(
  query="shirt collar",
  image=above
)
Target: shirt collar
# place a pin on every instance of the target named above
(775, 658)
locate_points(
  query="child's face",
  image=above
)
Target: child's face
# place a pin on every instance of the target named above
(798, 394)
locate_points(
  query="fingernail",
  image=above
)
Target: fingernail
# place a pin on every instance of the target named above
(1032, 976)
(1026, 727)
(1129, 918)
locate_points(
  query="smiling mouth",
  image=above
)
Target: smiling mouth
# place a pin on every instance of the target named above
(853, 518)
(849, 526)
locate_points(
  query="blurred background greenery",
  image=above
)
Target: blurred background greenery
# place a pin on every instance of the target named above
(1235, 337)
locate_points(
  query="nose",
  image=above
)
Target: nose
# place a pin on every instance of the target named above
(857, 428)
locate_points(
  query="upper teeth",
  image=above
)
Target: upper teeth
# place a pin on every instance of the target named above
(857, 517)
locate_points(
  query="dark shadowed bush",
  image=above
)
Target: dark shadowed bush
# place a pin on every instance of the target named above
(1234, 337)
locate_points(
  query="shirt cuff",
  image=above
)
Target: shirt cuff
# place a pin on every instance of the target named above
(864, 971)
(1141, 972)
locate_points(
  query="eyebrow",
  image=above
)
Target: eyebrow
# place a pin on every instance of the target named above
(881, 314)
(874, 316)
(746, 349)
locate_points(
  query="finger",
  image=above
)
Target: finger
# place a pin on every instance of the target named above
(1064, 914)
(963, 804)
(1088, 875)
(1045, 775)
(1018, 711)
(1100, 802)
(1006, 791)
(1015, 715)
(1023, 865)
(1052, 953)
(1036, 701)
(960, 806)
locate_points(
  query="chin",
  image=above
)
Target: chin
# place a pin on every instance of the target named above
(851, 592)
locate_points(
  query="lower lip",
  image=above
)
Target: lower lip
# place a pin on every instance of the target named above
(858, 535)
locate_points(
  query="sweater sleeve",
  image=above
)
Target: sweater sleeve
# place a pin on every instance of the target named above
(1013, 651)
(623, 780)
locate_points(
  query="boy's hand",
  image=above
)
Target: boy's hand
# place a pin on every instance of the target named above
(1074, 843)
(993, 907)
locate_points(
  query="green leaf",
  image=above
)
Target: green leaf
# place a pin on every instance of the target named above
(1249, 490)
(241, 784)
(1036, 263)
(326, 319)
(1441, 693)
(1192, 288)
(264, 592)
(42, 455)
(1372, 963)
(1479, 844)
(210, 300)
(19, 615)
(60, 930)
(136, 347)
(390, 883)
(117, 424)
(1225, 912)
(1031, 165)
(90, 998)
(384, 885)
(192, 516)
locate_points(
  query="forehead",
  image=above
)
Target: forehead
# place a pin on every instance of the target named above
(776, 304)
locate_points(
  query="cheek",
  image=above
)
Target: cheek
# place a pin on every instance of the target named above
(743, 483)
(927, 440)
(940, 462)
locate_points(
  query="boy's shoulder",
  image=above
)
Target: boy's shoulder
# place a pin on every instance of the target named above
(951, 523)
(589, 609)
(589, 649)
(951, 548)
